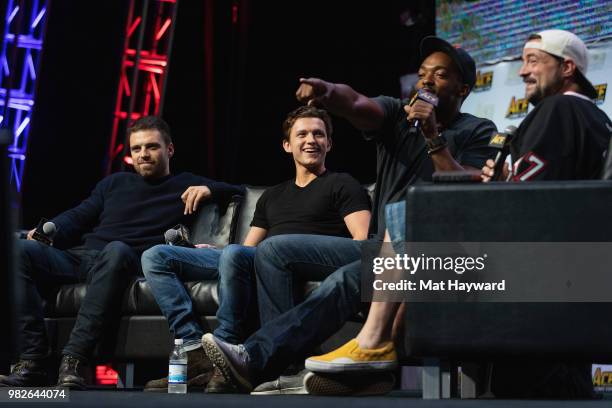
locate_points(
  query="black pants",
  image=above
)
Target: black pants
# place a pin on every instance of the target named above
(42, 269)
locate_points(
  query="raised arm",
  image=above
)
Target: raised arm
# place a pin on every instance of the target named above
(341, 100)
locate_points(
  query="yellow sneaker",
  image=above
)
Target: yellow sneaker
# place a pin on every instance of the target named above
(352, 358)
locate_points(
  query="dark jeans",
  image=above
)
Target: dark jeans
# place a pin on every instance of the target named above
(289, 332)
(42, 269)
(237, 313)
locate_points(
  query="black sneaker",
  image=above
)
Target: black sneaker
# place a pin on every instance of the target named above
(231, 360)
(283, 385)
(219, 385)
(71, 373)
(199, 372)
(356, 384)
(26, 373)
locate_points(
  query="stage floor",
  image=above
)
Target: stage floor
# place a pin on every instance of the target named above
(135, 398)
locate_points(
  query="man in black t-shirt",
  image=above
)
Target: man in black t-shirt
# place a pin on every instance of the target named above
(564, 138)
(446, 140)
(316, 201)
(100, 242)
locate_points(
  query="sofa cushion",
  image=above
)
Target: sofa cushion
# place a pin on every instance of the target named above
(213, 224)
(245, 215)
(138, 299)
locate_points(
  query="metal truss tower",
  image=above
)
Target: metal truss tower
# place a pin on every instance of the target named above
(144, 71)
(19, 62)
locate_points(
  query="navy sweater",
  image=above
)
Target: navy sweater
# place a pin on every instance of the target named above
(125, 207)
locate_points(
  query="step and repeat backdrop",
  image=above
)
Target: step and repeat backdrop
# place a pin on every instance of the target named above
(494, 32)
(499, 93)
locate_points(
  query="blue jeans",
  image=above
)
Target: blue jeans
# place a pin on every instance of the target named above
(395, 219)
(237, 313)
(42, 269)
(166, 268)
(290, 332)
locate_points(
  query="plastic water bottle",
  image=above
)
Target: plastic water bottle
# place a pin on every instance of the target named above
(177, 369)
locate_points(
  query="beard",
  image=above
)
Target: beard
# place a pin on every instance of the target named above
(147, 172)
(535, 97)
(543, 89)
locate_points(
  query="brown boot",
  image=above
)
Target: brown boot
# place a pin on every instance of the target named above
(199, 371)
(219, 385)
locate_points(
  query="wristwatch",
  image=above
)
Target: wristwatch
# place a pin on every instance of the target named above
(436, 143)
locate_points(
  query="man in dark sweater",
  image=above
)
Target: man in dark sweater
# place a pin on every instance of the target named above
(100, 242)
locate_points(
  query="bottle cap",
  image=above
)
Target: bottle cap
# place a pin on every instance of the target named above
(178, 341)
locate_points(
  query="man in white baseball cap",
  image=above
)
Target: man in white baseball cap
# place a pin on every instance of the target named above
(566, 135)
(563, 138)
(570, 65)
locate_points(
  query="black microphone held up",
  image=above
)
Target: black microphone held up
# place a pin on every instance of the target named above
(426, 96)
(501, 141)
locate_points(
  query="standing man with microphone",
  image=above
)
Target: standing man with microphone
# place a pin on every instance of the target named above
(100, 242)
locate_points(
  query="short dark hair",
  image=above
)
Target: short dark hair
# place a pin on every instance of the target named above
(306, 112)
(534, 37)
(151, 123)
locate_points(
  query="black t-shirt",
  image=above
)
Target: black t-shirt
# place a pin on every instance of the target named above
(318, 208)
(563, 138)
(402, 157)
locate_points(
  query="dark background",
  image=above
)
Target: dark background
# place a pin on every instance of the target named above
(230, 85)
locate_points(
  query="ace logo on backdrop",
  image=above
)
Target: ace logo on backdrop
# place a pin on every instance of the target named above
(602, 377)
(484, 81)
(518, 108)
(601, 93)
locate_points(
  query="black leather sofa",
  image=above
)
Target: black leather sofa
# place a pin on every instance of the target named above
(439, 336)
(143, 332)
(446, 335)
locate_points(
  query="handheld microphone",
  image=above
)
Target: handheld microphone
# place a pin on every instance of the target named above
(424, 95)
(44, 232)
(178, 236)
(501, 141)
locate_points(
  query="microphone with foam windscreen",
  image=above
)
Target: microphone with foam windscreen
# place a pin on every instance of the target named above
(426, 96)
(178, 236)
(44, 232)
(501, 141)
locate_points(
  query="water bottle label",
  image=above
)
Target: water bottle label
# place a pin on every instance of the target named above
(177, 374)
